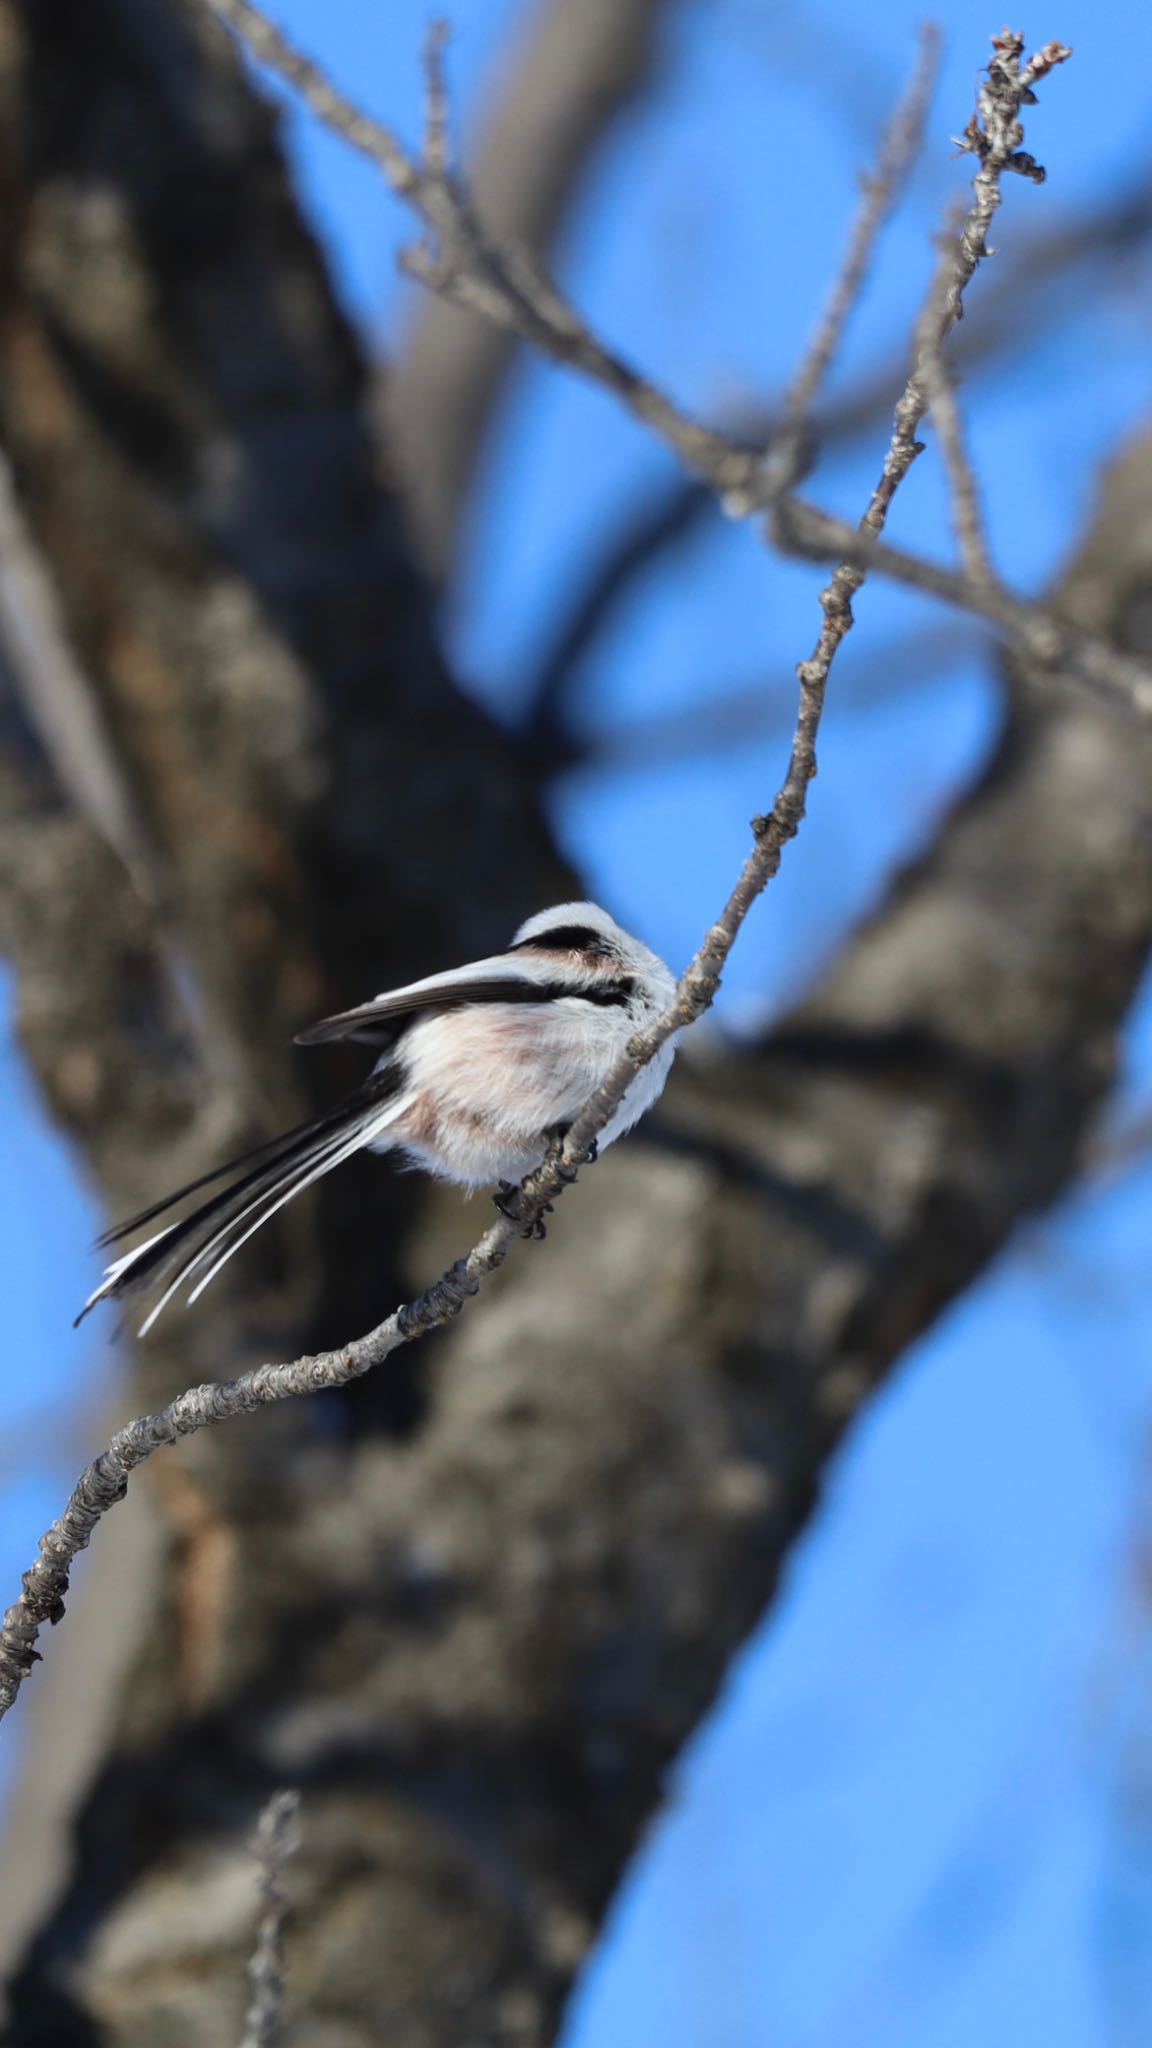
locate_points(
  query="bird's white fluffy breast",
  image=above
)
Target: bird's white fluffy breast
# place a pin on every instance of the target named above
(520, 1067)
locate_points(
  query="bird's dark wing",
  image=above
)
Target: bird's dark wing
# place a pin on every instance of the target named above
(375, 1023)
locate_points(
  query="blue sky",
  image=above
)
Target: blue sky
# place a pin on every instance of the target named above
(919, 1815)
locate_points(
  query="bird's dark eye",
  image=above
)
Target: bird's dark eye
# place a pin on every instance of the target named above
(571, 938)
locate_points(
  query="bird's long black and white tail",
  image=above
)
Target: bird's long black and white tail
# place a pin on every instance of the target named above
(195, 1248)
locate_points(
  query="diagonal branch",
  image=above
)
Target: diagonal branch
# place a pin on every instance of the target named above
(567, 81)
(1043, 635)
(900, 145)
(545, 728)
(936, 377)
(105, 1480)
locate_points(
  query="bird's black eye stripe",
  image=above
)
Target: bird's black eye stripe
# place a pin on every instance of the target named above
(605, 994)
(609, 995)
(571, 938)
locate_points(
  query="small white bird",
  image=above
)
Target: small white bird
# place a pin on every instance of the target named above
(482, 1068)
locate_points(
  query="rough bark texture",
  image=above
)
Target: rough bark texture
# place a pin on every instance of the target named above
(474, 1642)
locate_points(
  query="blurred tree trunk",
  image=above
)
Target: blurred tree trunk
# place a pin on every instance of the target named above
(476, 1620)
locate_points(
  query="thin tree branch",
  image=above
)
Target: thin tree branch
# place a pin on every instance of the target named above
(566, 81)
(277, 1838)
(936, 377)
(899, 147)
(1043, 635)
(994, 134)
(105, 1480)
(545, 727)
(963, 488)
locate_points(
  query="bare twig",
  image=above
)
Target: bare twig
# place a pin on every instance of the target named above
(997, 144)
(881, 187)
(277, 1838)
(566, 77)
(935, 374)
(994, 134)
(1039, 633)
(963, 489)
(544, 728)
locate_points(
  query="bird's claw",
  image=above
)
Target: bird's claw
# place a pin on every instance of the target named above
(507, 1201)
(508, 1196)
(557, 1140)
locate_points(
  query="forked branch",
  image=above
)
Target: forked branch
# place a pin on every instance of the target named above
(508, 285)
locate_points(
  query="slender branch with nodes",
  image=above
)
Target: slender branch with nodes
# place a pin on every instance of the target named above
(993, 134)
(900, 145)
(963, 488)
(935, 376)
(105, 1480)
(1044, 636)
(277, 1838)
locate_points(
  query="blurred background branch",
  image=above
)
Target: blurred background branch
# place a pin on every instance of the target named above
(569, 76)
(1095, 254)
(277, 1838)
